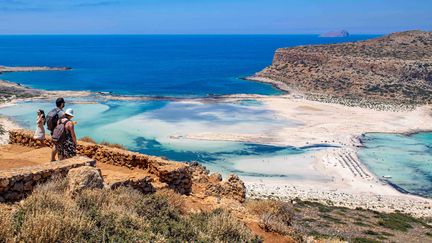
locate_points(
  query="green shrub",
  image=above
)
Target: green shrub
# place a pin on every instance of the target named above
(2, 130)
(396, 221)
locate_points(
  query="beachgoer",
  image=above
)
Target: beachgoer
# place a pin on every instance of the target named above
(52, 121)
(40, 130)
(66, 147)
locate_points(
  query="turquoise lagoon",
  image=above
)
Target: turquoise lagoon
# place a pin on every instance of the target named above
(159, 127)
(405, 161)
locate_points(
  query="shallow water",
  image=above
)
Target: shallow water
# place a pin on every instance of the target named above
(157, 128)
(407, 159)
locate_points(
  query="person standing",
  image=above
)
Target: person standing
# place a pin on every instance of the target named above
(40, 130)
(67, 143)
(52, 120)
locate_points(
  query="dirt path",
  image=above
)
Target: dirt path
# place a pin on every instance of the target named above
(15, 156)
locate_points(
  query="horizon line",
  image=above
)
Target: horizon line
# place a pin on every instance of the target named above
(184, 34)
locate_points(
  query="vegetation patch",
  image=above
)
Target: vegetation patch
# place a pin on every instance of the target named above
(331, 218)
(364, 240)
(275, 216)
(112, 145)
(397, 221)
(2, 130)
(122, 215)
(88, 140)
(321, 207)
(371, 232)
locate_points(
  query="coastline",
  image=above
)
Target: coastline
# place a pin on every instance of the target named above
(6, 69)
(321, 123)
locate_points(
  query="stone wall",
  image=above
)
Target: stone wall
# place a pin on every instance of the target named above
(143, 185)
(181, 177)
(15, 184)
(173, 173)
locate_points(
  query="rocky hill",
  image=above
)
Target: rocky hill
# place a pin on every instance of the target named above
(394, 68)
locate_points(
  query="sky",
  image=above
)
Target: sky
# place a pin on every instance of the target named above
(212, 16)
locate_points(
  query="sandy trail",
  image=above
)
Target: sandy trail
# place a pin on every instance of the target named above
(15, 156)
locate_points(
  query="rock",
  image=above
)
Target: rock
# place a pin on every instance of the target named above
(85, 177)
(339, 33)
(216, 177)
(4, 182)
(19, 187)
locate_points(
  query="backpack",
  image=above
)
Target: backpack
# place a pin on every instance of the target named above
(59, 133)
(52, 119)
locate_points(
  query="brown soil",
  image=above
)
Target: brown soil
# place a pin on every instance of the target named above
(268, 236)
(15, 156)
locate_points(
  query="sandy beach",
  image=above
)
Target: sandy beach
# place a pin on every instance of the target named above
(352, 184)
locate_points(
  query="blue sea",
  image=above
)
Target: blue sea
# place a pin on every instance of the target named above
(193, 66)
(156, 65)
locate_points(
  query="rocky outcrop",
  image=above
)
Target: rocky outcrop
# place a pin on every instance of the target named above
(143, 185)
(15, 184)
(85, 177)
(233, 188)
(395, 68)
(214, 185)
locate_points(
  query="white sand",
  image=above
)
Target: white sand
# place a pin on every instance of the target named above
(351, 183)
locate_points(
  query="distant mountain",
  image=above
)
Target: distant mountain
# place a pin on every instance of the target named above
(394, 68)
(340, 33)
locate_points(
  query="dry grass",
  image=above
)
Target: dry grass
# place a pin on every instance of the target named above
(104, 143)
(5, 226)
(122, 215)
(275, 216)
(174, 199)
(88, 140)
(113, 145)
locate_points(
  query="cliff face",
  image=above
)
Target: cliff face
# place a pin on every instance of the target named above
(396, 68)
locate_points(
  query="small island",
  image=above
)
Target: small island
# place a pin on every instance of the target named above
(5, 69)
(333, 34)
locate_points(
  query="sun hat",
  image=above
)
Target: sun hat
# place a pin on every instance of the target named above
(69, 112)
